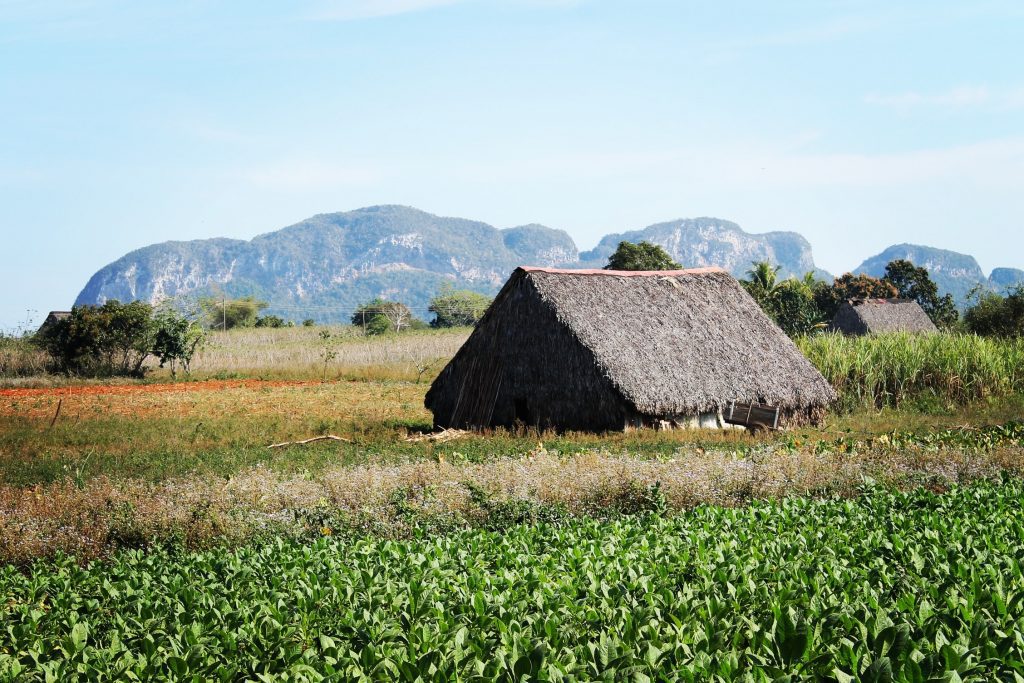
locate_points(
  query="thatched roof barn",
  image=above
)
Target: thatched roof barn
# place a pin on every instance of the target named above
(52, 319)
(601, 350)
(876, 316)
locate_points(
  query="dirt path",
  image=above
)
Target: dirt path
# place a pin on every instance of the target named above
(129, 389)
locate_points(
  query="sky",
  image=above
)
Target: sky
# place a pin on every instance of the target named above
(857, 124)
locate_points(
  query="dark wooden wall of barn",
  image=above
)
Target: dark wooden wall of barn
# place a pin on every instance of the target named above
(522, 366)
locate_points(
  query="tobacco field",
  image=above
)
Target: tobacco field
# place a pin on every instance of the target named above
(883, 586)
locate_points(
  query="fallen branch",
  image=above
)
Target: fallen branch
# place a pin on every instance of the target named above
(443, 435)
(60, 402)
(325, 437)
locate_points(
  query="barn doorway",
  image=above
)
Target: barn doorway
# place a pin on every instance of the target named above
(522, 411)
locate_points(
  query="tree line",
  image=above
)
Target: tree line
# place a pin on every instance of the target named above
(115, 339)
(807, 304)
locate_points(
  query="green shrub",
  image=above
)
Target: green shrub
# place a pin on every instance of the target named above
(273, 321)
(642, 256)
(176, 339)
(997, 316)
(109, 340)
(461, 308)
(227, 314)
(380, 317)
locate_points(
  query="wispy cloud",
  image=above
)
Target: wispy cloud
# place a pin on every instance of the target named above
(350, 10)
(992, 162)
(961, 97)
(822, 32)
(998, 162)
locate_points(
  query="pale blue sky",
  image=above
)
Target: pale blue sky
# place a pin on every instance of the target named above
(857, 124)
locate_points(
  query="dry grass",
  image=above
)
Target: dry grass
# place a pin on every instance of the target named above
(187, 462)
(220, 427)
(93, 518)
(299, 353)
(20, 358)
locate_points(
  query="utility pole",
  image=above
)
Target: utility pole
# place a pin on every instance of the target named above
(224, 312)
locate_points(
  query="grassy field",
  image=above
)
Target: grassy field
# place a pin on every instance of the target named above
(881, 587)
(299, 353)
(156, 481)
(888, 370)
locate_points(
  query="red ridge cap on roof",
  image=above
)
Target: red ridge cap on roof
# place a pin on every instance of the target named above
(621, 273)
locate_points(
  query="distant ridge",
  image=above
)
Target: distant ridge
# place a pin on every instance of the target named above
(953, 272)
(324, 266)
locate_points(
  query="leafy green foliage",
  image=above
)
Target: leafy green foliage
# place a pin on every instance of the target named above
(458, 308)
(381, 316)
(642, 256)
(998, 316)
(112, 339)
(887, 369)
(272, 321)
(886, 586)
(328, 348)
(227, 314)
(790, 303)
(176, 338)
(849, 286)
(914, 283)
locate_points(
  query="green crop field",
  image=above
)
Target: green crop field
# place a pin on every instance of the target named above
(149, 532)
(884, 586)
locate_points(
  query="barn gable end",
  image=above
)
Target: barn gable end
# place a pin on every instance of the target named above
(523, 366)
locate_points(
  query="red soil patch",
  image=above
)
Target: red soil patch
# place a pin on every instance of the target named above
(129, 389)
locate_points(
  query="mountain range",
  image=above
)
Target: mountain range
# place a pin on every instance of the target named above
(325, 266)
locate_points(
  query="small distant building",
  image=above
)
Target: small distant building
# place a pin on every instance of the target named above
(602, 350)
(52, 318)
(877, 316)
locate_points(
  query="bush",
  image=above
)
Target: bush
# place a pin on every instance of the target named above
(462, 308)
(109, 340)
(997, 316)
(642, 256)
(227, 314)
(915, 284)
(380, 317)
(270, 321)
(176, 339)
(20, 357)
(850, 286)
(790, 303)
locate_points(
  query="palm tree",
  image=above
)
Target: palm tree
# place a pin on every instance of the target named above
(762, 281)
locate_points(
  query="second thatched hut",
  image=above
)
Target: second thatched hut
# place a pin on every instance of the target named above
(600, 350)
(879, 316)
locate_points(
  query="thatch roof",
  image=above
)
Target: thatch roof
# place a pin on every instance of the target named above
(875, 316)
(52, 318)
(666, 343)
